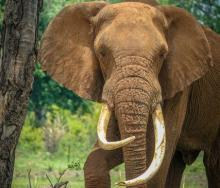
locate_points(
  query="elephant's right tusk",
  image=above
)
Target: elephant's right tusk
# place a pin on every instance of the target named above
(102, 129)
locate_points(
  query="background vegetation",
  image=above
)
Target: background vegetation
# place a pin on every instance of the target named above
(59, 130)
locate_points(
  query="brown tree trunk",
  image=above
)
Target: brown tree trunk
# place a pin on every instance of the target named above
(16, 67)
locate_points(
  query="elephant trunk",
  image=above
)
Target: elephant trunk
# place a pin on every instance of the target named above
(136, 95)
(132, 119)
(160, 143)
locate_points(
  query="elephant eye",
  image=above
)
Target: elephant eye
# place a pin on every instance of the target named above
(163, 53)
(102, 52)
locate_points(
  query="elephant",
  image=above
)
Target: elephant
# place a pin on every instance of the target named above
(156, 71)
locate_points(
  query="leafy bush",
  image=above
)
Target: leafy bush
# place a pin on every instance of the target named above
(67, 135)
(52, 136)
(31, 138)
(80, 134)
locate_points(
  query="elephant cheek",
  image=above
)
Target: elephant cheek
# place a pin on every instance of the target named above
(108, 94)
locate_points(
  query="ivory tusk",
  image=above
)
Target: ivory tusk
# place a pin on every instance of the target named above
(102, 130)
(160, 143)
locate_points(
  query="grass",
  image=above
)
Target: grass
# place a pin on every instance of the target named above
(194, 175)
(45, 163)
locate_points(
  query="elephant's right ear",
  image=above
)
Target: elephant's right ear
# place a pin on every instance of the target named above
(67, 53)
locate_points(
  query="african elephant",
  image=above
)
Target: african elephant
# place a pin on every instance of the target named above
(157, 72)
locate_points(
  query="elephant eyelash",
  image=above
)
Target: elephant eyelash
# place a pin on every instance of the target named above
(102, 52)
(162, 53)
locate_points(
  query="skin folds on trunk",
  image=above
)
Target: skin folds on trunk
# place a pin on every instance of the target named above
(132, 120)
(134, 97)
(160, 145)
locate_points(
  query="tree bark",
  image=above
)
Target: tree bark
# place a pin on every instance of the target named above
(16, 68)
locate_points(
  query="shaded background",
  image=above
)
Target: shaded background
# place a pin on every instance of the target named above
(60, 127)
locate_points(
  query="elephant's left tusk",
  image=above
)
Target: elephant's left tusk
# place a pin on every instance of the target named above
(102, 130)
(160, 142)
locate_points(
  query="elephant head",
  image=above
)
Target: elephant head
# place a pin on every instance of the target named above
(131, 57)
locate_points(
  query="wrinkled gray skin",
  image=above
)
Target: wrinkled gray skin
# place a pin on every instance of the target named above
(136, 56)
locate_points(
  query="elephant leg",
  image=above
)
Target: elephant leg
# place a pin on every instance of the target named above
(100, 162)
(176, 170)
(212, 164)
(98, 165)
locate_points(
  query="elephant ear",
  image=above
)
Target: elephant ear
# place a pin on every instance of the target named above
(189, 56)
(67, 53)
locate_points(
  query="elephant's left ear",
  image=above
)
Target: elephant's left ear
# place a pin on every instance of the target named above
(189, 56)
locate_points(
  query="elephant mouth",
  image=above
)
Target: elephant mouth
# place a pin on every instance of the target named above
(160, 142)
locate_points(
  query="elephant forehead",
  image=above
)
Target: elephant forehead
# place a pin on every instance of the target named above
(137, 10)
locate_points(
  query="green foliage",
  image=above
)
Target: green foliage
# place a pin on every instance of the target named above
(80, 134)
(46, 92)
(68, 135)
(2, 8)
(114, 1)
(74, 146)
(31, 138)
(75, 165)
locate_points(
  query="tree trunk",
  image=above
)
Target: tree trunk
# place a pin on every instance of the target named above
(16, 67)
